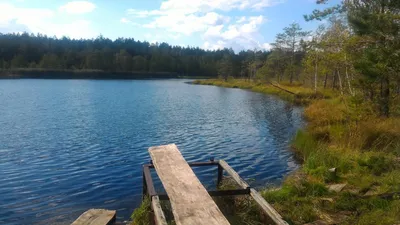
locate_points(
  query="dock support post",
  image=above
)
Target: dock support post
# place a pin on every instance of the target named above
(220, 175)
(144, 191)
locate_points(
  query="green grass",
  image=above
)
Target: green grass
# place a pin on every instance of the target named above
(302, 95)
(239, 209)
(142, 214)
(343, 132)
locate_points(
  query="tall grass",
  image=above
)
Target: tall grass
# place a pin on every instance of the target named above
(142, 215)
(342, 133)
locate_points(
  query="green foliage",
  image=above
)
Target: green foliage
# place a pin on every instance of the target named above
(377, 164)
(322, 14)
(225, 67)
(342, 133)
(142, 214)
(23, 51)
(285, 57)
(49, 61)
(294, 201)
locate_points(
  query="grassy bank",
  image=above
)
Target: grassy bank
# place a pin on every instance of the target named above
(344, 143)
(346, 147)
(298, 95)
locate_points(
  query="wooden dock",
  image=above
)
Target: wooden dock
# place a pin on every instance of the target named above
(96, 217)
(191, 203)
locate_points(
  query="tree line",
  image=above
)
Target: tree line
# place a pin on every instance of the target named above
(356, 51)
(30, 51)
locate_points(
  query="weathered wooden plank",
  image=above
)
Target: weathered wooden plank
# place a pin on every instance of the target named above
(235, 176)
(159, 216)
(267, 208)
(191, 204)
(96, 217)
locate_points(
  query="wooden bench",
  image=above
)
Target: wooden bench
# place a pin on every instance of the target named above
(190, 201)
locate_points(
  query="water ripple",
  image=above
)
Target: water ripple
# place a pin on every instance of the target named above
(70, 145)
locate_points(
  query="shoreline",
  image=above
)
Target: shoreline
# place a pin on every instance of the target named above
(348, 160)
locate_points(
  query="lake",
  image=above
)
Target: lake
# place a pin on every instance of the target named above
(70, 145)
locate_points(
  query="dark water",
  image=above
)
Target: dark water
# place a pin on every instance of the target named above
(70, 145)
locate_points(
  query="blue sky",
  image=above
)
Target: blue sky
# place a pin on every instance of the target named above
(210, 24)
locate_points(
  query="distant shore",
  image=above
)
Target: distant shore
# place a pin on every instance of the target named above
(89, 74)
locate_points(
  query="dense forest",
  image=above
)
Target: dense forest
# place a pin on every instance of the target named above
(30, 51)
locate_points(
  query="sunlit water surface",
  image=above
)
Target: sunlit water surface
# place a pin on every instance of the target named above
(70, 145)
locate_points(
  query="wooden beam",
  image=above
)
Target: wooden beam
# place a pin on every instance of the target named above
(217, 193)
(235, 176)
(159, 216)
(96, 217)
(282, 88)
(266, 207)
(190, 201)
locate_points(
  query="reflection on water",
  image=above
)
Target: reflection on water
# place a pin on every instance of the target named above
(70, 145)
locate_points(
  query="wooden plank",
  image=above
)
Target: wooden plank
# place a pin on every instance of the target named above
(159, 216)
(190, 201)
(267, 208)
(235, 176)
(96, 217)
(217, 193)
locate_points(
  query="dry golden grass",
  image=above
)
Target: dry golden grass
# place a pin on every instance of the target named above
(343, 132)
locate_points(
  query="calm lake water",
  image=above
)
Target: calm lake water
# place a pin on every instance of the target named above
(70, 145)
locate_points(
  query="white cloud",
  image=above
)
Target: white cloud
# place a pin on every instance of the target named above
(265, 3)
(241, 19)
(78, 7)
(9, 13)
(184, 7)
(214, 31)
(243, 34)
(187, 24)
(37, 20)
(188, 7)
(267, 46)
(209, 19)
(144, 13)
(125, 20)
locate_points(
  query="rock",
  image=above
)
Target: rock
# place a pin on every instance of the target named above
(332, 170)
(326, 201)
(353, 191)
(336, 187)
(371, 192)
